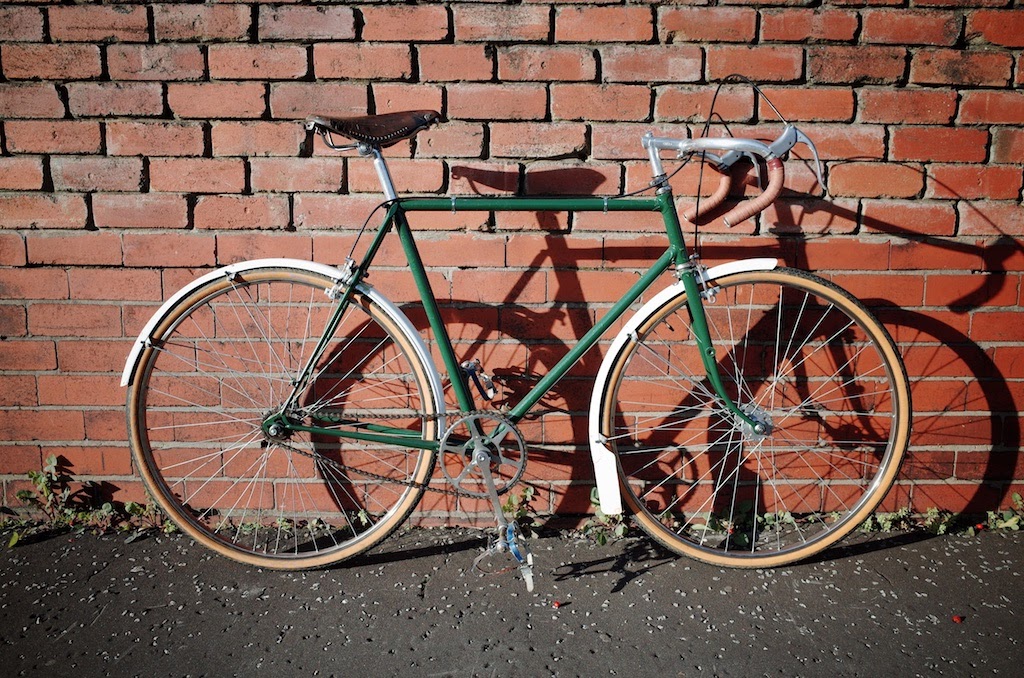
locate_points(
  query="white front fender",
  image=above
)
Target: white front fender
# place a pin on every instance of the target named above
(605, 464)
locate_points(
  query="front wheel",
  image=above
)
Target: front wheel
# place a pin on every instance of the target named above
(794, 351)
(216, 374)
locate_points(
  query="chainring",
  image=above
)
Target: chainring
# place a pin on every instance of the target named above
(468, 442)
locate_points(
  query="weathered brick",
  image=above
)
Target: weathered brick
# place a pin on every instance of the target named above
(50, 62)
(920, 106)
(763, 63)
(258, 62)
(405, 23)
(148, 250)
(217, 99)
(257, 138)
(693, 103)
(449, 63)
(409, 176)
(797, 24)
(87, 248)
(52, 136)
(809, 103)
(154, 138)
(362, 61)
(909, 217)
(104, 99)
(242, 212)
(205, 23)
(42, 211)
(910, 27)
(502, 23)
(573, 178)
(974, 182)
(19, 24)
(96, 23)
(1003, 27)
(156, 62)
(140, 210)
(399, 96)
(241, 246)
(604, 24)
(706, 24)
(600, 102)
(989, 106)
(296, 100)
(114, 285)
(961, 67)
(652, 63)
(544, 63)
(451, 140)
(89, 173)
(875, 180)
(30, 101)
(21, 173)
(856, 65)
(197, 175)
(992, 218)
(1008, 145)
(296, 174)
(496, 102)
(33, 283)
(939, 144)
(537, 140)
(306, 23)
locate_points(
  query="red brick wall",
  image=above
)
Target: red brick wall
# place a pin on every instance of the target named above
(143, 143)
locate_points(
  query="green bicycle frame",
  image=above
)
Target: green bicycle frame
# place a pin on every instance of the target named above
(675, 256)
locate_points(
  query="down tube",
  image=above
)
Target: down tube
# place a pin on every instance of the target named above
(591, 337)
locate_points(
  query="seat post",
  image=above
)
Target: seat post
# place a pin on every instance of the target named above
(382, 170)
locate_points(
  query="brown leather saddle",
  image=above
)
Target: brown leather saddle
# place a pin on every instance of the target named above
(381, 130)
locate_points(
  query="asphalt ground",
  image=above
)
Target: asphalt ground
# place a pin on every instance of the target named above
(901, 605)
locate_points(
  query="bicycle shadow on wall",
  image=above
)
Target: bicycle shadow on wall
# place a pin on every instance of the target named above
(976, 409)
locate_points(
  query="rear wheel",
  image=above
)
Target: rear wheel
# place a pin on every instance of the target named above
(794, 351)
(222, 362)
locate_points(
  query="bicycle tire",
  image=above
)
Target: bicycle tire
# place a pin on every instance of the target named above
(793, 348)
(223, 358)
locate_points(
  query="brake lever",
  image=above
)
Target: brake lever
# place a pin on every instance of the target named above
(790, 137)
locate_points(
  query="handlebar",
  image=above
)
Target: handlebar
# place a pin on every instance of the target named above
(733, 149)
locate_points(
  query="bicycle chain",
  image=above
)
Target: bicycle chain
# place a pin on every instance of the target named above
(387, 479)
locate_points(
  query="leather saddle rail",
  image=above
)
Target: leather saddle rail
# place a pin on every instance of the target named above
(381, 130)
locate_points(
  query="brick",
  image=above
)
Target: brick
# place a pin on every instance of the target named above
(27, 210)
(161, 250)
(26, 425)
(834, 141)
(51, 62)
(920, 106)
(497, 102)
(987, 107)
(604, 24)
(217, 99)
(405, 23)
(543, 63)
(296, 100)
(306, 23)
(156, 62)
(96, 23)
(331, 211)
(875, 180)
(600, 102)
(399, 96)
(140, 210)
(573, 179)
(115, 285)
(296, 174)
(409, 176)
(21, 173)
(33, 283)
(502, 23)
(830, 104)
(906, 217)
(261, 138)
(856, 65)
(13, 322)
(809, 25)
(449, 63)
(537, 140)
(451, 140)
(621, 141)
(706, 24)
(52, 136)
(956, 289)
(910, 27)
(104, 99)
(21, 24)
(1003, 27)
(960, 67)
(89, 248)
(30, 101)
(234, 247)
(763, 63)
(484, 178)
(1008, 145)
(991, 218)
(12, 249)
(974, 182)
(197, 175)
(651, 63)
(74, 320)
(242, 212)
(89, 173)
(939, 144)
(154, 138)
(693, 103)
(258, 62)
(202, 23)
(363, 61)
(807, 216)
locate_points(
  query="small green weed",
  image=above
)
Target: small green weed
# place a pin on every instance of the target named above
(519, 507)
(603, 527)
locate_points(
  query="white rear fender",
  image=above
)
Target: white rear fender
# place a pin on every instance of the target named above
(396, 315)
(605, 464)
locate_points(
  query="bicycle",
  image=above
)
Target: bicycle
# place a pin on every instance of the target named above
(288, 415)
